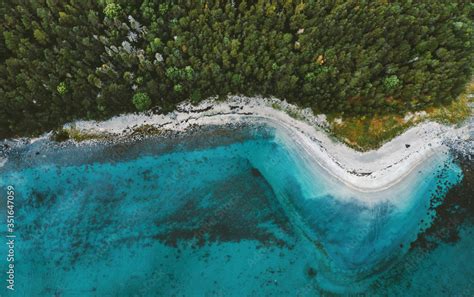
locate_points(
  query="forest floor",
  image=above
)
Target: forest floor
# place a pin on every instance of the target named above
(370, 132)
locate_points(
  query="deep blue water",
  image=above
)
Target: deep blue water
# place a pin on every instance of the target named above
(224, 212)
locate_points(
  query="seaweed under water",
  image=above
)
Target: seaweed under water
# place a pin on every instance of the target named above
(215, 213)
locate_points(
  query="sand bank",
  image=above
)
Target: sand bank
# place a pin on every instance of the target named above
(365, 171)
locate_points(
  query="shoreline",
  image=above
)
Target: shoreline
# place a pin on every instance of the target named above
(370, 171)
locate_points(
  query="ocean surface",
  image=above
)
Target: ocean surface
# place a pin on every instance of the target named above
(228, 211)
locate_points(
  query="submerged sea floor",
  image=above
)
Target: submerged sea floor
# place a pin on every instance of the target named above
(229, 211)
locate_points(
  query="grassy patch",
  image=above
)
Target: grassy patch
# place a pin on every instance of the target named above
(455, 112)
(370, 132)
(276, 106)
(147, 129)
(292, 112)
(76, 135)
(365, 133)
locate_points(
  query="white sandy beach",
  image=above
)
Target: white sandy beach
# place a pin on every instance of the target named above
(370, 171)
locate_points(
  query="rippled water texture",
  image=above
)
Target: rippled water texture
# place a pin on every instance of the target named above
(224, 212)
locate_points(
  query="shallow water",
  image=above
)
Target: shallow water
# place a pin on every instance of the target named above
(222, 213)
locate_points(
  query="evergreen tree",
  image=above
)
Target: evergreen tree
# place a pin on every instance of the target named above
(65, 60)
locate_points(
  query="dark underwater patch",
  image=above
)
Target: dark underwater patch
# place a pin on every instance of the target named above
(240, 208)
(457, 209)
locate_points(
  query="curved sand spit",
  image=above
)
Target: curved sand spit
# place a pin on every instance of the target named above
(364, 171)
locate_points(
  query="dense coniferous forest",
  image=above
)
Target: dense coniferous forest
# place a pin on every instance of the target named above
(88, 59)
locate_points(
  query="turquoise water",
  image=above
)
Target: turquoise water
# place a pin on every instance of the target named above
(221, 213)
